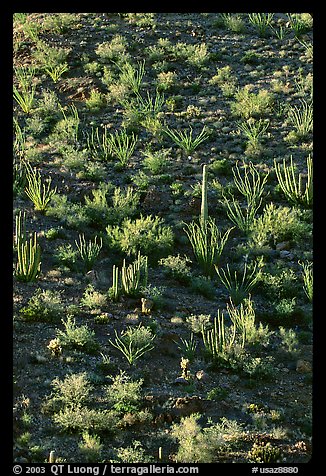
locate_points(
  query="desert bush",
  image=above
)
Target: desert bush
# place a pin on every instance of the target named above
(103, 209)
(199, 322)
(248, 104)
(277, 283)
(124, 394)
(66, 129)
(203, 445)
(289, 340)
(134, 453)
(203, 285)
(156, 162)
(131, 77)
(72, 214)
(79, 420)
(278, 224)
(232, 21)
(147, 235)
(90, 447)
(73, 391)
(93, 299)
(45, 305)
(114, 50)
(177, 267)
(262, 452)
(75, 337)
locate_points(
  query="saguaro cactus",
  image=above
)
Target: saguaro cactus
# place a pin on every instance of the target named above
(204, 206)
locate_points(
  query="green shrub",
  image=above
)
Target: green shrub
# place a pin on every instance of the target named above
(156, 162)
(203, 285)
(249, 104)
(134, 453)
(90, 447)
(72, 214)
(103, 210)
(95, 101)
(124, 394)
(198, 322)
(279, 224)
(93, 299)
(78, 338)
(203, 445)
(114, 50)
(279, 283)
(289, 340)
(45, 305)
(262, 452)
(65, 254)
(233, 22)
(83, 419)
(177, 267)
(71, 392)
(147, 235)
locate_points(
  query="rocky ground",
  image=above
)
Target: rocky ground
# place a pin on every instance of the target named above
(273, 408)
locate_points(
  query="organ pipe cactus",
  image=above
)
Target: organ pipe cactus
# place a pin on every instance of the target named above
(28, 265)
(20, 234)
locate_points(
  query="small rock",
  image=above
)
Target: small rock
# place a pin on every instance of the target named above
(303, 366)
(286, 255)
(284, 245)
(181, 381)
(202, 376)
(185, 406)
(146, 305)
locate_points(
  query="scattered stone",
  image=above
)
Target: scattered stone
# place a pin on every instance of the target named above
(284, 245)
(185, 406)
(146, 305)
(202, 376)
(181, 381)
(303, 366)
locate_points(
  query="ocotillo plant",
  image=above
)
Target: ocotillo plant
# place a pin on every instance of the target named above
(292, 186)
